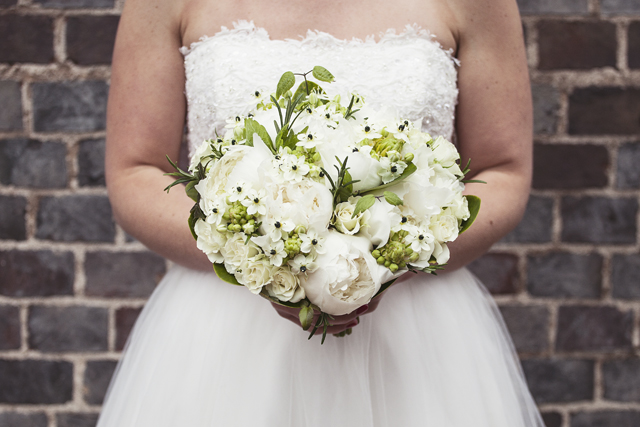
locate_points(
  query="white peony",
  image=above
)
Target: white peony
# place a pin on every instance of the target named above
(285, 286)
(210, 241)
(214, 184)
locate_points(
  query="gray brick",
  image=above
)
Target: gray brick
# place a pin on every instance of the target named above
(622, 380)
(552, 419)
(11, 101)
(12, 218)
(91, 163)
(625, 276)
(76, 4)
(36, 273)
(68, 329)
(562, 274)
(125, 320)
(606, 419)
(619, 7)
(570, 166)
(536, 223)
(32, 163)
(90, 39)
(96, 380)
(559, 381)
(546, 103)
(9, 328)
(129, 274)
(599, 220)
(587, 328)
(497, 271)
(35, 381)
(17, 419)
(604, 111)
(75, 218)
(26, 38)
(633, 45)
(553, 7)
(628, 173)
(70, 419)
(528, 326)
(8, 3)
(70, 106)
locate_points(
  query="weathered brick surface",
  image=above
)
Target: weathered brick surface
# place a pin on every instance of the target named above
(12, 218)
(123, 274)
(546, 104)
(599, 220)
(556, 380)
(16, 419)
(10, 335)
(536, 224)
(625, 276)
(600, 329)
(36, 273)
(11, 101)
(622, 380)
(552, 419)
(75, 218)
(528, 326)
(33, 163)
(619, 418)
(75, 419)
(91, 163)
(628, 172)
(35, 381)
(125, 319)
(497, 271)
(73, 4)
(64, 329)
(26, 39)
(569, 166)
(604, 110)
(633, 45)
(563, 274)
(576, 45)
(96, 380)
(619, 7)
(70, 106)
(90, 39)
(553, 7)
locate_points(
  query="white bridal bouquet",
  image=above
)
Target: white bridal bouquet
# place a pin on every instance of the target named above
(320, 206)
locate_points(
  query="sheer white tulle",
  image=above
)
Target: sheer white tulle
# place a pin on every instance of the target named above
(205, 353)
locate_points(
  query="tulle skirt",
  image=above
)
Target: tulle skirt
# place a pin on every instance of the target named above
(205, 353)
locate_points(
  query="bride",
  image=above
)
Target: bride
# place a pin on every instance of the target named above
(431, 351)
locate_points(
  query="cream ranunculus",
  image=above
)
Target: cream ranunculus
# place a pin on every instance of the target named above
(285, 286)
(347, 276)
(255, 273)
(444, 226)
(344, 220)
(210, 241)
(235, 251)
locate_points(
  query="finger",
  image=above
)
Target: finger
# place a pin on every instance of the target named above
(338, 328)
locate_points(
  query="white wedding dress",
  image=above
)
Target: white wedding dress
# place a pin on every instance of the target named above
(205, 353)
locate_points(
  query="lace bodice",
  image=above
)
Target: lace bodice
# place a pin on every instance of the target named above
(409, 70)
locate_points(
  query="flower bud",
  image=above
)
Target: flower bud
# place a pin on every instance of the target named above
(408, 157)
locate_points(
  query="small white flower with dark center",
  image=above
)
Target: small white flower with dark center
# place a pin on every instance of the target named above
(420, 238)
(275, 252)
(215, 210)
(367, 131)
(234, 122)
(295, 168)
(254, 201)
(239, 191)
(308, 140)
(278, 229)
(391, 169)
(312, 243)
(303, 264)
(402, 129)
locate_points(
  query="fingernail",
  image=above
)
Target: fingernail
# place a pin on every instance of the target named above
(362, 309)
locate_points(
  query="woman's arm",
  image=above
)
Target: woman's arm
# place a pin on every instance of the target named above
(493, 120)
(145, 122)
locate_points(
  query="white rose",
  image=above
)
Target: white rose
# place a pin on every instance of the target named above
(441, 252)
(460, 207)
(444, 226)
(255, 273)
(285, 286)
(344, 220)
(446, 154)
(347, 276)
(235, 251)
(210, 241)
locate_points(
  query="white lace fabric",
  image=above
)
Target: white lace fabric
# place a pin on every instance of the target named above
(409, 70)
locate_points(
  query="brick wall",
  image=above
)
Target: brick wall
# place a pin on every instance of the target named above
(567, 279)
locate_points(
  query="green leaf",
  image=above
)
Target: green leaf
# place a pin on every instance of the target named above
(322, 74)
(224, 275)
(384, 287)
(469, 181)
(303, 91)
(306, 316)
(251, 127)
(192, 192)
(286, 82)
(409, 170)
(363, 204)
(192, 223)
(392, 198)
(474, 208)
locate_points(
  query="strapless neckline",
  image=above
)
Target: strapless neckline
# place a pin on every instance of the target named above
(317, 37)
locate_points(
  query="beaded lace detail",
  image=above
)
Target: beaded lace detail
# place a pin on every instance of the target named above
(408, 70)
